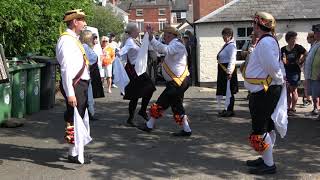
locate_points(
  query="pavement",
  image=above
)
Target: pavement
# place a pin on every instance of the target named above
(217, 149)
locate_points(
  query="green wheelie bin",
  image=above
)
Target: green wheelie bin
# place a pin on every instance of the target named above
(33, 88)
(18, 74)
(5, 101)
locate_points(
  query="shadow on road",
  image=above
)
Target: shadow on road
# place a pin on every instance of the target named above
(217, 148)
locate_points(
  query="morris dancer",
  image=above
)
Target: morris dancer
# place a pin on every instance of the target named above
(139, 86)
(264, 78)
(227, 82)
(175, 71)
(74, 76)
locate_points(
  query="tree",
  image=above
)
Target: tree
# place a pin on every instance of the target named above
(104, 19)
(33, 25)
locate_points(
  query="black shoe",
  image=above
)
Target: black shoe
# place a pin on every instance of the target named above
(255, 163)
(182, 133)
(74, 159)
(144, 128)
(130, 122)
(222, 112)
(93, 119)
(263, 169)
(227, 114)
(144, 115)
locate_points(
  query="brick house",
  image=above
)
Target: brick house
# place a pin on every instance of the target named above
(202, 8)
(157, 13)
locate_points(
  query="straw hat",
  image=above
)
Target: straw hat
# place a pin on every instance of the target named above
(172, 30)
(73, 14)
(265, 19)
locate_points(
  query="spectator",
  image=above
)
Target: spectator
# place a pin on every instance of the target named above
(115, 46)
(107, 60)
(306, 98)
(95, 85)
(312, 70)
(293, 56)
(98, 50)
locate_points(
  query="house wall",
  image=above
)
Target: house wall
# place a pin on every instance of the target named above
(151, 16)
(210, 42)
(204, 7)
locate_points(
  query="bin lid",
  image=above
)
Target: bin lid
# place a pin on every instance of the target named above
(44, 59)
(22, 66)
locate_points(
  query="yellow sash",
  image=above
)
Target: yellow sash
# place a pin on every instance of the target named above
(79, 45)
(223, 68)
(257, 81)
(177, 80)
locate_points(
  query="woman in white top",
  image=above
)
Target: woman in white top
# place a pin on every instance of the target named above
(227, 70)
(139, 86)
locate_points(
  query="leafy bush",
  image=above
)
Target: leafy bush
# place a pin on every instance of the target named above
(32, 26)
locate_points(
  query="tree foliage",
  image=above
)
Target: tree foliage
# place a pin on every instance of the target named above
(106, 22)
(32, 26)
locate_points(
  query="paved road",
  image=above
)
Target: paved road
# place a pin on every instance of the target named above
(216, 150)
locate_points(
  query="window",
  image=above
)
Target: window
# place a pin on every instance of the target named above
(139, 12)
(178, 14)
(140, 23)
(162, 24)
(162, 11)
(243, 36)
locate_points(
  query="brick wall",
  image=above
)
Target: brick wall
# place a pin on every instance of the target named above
(150, 16)
(204, 7)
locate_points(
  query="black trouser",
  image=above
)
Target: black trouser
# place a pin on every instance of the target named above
(222, 84)
(231, 105)
(81, 93)
(173, 96)
(262, 105)
(144, 104)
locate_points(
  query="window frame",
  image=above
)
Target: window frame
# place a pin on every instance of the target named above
(245, 39)
(138, 21)
(162, 9)
(139, 10)
(162, 22)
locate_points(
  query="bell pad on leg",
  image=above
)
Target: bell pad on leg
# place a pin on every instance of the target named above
(258, 144)
(156, 111)
(178, 118)
(69, 133)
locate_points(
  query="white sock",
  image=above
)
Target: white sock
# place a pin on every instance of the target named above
(72, 150)
(267, 155)
(151, 122)
(273, 137)
(185, 124)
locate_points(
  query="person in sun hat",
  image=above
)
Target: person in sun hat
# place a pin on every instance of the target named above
(264, 78)
(75, 78)
(175, 72)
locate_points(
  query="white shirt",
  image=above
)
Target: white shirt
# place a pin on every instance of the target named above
(264, 61)
(130, 50)
(71, 60)
(228, 55)
(176, 56)
(114, 45)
